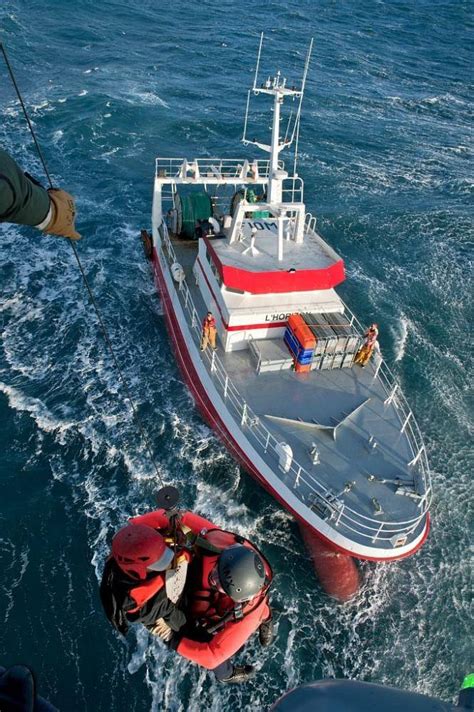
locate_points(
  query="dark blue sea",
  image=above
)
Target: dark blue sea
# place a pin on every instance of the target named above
(386, 154)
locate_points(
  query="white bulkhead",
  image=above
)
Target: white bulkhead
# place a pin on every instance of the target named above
(242, 316)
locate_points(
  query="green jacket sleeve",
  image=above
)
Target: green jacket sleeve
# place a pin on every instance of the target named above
(21, 200)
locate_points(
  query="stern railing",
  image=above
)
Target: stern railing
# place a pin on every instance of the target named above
(213, 169)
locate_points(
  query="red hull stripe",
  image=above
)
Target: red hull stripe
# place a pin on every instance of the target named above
(301, 280)
(211, 415)
(265, 325)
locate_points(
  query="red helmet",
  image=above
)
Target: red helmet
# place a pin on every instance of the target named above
(138, 549)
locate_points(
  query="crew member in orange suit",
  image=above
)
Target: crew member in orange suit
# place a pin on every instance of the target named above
(365, 352)
(209, 332)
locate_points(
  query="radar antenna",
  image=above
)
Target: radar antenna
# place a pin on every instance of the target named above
(278, 88)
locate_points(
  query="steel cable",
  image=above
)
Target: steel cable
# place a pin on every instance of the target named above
(103, 328)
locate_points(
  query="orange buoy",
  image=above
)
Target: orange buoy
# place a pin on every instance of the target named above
(337, 573)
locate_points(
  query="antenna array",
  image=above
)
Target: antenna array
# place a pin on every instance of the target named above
(277, 86)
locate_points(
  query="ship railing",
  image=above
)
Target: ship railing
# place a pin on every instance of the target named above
(292, 190)
(310, 223)
(295, 475)
(168, 193)
(310, 229)
(213, 168)
(408, 424)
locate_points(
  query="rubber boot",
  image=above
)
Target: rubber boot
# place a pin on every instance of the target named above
(240, 673)
(266, 633)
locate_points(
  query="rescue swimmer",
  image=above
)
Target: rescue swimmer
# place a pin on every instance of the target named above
(202, 590)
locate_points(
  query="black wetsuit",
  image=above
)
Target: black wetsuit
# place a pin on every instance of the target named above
(115, 593)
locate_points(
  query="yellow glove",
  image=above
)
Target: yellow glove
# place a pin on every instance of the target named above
(63, 214)
(162, 630)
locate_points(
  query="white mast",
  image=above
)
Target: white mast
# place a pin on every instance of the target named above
(276, 176)
(276, 86)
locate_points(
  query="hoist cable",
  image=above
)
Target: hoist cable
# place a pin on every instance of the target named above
(103, 328)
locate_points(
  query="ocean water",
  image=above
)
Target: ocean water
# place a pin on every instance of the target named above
(386, 153)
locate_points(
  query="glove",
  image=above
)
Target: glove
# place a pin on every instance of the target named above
(162, 630)
(63, 214)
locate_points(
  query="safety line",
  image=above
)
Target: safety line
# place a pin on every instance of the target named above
(93, 300)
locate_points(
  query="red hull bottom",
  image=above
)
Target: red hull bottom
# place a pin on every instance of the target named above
(337, 573)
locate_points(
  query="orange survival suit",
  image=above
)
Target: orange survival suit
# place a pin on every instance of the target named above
(140, 596)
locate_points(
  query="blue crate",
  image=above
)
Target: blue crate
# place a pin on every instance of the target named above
(303, 356)
(294, 345)
(291, 342)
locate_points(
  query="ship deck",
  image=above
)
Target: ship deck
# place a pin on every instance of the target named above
(348, 415)
(310, 254)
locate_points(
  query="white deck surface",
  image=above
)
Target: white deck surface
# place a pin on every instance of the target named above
(311, 254)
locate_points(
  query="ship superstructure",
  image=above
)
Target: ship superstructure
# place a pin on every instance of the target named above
(335, 443)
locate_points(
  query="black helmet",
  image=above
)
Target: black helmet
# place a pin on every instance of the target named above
(241, 572)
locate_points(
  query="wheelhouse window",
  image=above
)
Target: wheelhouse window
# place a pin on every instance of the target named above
(213, 267)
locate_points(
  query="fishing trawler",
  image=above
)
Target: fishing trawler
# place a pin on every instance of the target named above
(335, 443)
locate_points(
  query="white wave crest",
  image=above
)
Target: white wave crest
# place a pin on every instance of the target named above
(401, 336)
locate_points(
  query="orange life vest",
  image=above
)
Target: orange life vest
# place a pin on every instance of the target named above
(208, 605)
(226, 624)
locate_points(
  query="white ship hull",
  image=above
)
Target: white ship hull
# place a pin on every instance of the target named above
(296, 387)
(215, 411)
